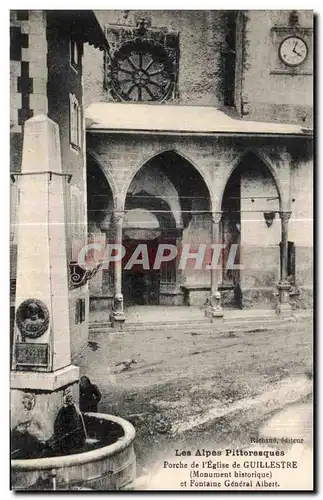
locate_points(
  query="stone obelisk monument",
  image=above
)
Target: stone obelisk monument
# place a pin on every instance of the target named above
(41, 371)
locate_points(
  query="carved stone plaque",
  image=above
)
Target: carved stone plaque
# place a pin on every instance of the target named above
(32, 318)
(32, 355)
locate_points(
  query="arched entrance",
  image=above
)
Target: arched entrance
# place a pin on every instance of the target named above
(251, 231)
(167, 202)
(147, 225)
(100, 205)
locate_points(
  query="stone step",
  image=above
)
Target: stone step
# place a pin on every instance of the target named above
(253, 322)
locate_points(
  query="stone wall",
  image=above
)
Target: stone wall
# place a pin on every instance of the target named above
(28, 66)
(265, 88)
(28, 74)
(121, 156)
(198, 232)
(269, 90)
(202, 48)
(259, 243)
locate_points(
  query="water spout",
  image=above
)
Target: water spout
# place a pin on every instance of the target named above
(88, 440)
(54, 479)
(78, 411)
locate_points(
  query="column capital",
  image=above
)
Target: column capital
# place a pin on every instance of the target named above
(285, 215)
(105, 224)
(216, 217)
(118, 216)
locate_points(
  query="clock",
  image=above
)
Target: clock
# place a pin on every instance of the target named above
(293, 51)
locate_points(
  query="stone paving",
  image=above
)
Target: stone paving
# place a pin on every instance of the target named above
(191, 375)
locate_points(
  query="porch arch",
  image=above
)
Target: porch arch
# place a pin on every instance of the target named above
(180, 154)
(250, 202)
(189, 224)
(101, 202)
(269, 166)
(92, 155)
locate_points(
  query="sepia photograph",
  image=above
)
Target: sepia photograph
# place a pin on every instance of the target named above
(161, 250)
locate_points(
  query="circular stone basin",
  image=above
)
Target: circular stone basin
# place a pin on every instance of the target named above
(107, 461)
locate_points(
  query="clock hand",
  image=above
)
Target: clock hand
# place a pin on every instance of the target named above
(295, 52)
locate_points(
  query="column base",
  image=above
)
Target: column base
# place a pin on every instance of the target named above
(284, 307)
(211, 312)
(284, 310)
(117, 318)
(213, 306)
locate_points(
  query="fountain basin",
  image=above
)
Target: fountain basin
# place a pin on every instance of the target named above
(109, 466)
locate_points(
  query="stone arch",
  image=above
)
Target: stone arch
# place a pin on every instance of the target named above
(109, 178)
(202, 174)
(101, 197)
(168, 189)
(159, 207)
(264, 158)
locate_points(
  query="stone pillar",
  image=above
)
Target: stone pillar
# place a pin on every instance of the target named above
(213, 307)
(179, 272)
(107, 231)
(117, 314)
(41, 368)
(106, 285)
(284, 307)
(95, 283)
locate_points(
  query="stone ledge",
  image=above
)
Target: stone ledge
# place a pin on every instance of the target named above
(44, 381)
(203, 287)
(170, 292)
(189, 287)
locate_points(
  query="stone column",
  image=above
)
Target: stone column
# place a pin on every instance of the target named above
(41, 370)
(117, 314)
(284, 306)
(107, 274)
(179, 273)
(107, 283)
(213, 307)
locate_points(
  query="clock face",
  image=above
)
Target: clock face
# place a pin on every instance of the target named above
(293, 51)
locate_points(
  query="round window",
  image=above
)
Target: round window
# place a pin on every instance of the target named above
(141, 71)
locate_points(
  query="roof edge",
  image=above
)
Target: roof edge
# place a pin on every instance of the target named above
(83, 25)
(100, 130)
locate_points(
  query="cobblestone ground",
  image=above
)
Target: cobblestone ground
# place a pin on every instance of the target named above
(180, 375)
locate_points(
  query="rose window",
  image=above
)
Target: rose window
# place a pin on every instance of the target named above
(141, 71)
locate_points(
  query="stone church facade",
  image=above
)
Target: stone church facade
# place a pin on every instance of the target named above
(187, 128)
(186, 141)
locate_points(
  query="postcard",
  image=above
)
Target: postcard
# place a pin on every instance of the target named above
(161, 243)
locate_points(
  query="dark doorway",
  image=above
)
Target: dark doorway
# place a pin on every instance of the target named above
(141, 289)
(141, 286)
